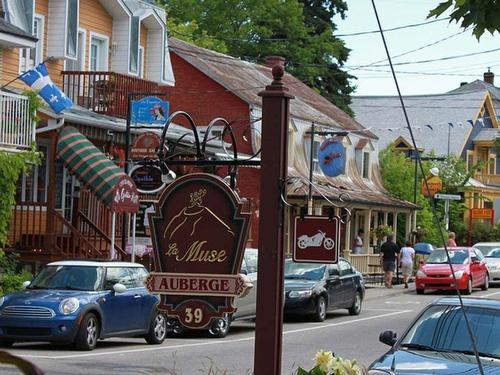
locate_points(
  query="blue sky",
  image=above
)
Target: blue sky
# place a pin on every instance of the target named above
(367, 49)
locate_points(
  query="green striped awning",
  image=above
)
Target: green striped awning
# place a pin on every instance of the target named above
(94, 170)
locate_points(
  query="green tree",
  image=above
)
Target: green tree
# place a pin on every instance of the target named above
(480, 14)
(299, 30)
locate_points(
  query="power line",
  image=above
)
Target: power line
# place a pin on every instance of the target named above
(253, 39)
(439, 59)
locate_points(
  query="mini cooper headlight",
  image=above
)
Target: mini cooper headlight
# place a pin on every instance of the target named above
(2, 300)
(300, 293)
(69, 305)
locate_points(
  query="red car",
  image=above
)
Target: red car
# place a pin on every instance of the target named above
(468, 265)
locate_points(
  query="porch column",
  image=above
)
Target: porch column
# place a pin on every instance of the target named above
(347, 237)
(386, 218)
(51, 195)
(414, 222)
(375, 223)
(394, 224)
(366, 228)
(408, 226)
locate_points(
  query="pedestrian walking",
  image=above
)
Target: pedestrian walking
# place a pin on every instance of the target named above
(451, 240)
(358, 242)
(407, 257)
(389, 255)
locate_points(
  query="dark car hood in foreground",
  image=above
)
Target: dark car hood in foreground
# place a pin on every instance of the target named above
(300, 284)
(413, 362)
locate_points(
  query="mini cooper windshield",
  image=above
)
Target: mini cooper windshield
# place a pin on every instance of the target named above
(69, 278)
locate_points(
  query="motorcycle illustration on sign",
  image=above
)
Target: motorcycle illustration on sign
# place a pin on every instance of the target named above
(318, 240)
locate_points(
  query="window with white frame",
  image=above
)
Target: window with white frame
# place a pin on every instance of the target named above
(32, 186)
(141, 62)
(30, 57)
(72, 28)
(366, 164)
(98, 53)
(314, 154)
(78, 64)
(20, 13)
(134, 45)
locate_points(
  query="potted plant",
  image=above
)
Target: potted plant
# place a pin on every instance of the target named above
(325, 363)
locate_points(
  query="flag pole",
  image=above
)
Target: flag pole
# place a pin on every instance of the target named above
(50, 58)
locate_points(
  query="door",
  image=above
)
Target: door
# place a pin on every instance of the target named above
(478, 268)
(334, 287)
(247, 305)
(148, 301)
(121, 310)
(347, 281)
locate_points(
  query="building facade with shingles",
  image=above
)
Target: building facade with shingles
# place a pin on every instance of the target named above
(463, 122)
(210, 85)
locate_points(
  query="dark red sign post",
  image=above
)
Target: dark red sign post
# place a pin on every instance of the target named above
(269, 322)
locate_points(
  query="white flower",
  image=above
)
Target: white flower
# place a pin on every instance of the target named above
(325, 361)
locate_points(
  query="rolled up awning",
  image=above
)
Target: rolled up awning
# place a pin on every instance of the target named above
(92, 168)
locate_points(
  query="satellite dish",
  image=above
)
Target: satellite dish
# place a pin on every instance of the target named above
(434, 171)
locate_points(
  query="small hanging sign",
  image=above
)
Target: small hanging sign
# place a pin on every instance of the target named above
(316, 239)
(331, 156)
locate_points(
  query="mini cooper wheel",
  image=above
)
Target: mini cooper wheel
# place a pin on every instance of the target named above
(157, 329)
(219, 327)
(355, 309)
(420, 291)
(320, 313)
(88, 333)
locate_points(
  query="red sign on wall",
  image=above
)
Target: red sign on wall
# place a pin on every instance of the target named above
(316, 239)
(199, 234)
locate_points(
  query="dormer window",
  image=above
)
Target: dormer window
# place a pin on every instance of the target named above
(316, 144)
(362, 155)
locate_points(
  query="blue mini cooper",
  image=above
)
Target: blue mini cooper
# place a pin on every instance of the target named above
(82, 302)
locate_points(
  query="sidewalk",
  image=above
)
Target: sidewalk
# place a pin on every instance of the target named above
(374, 291)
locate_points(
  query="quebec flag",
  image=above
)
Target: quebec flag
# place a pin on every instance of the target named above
(38, 79)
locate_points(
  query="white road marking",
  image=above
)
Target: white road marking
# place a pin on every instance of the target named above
(211, 342)
(489, 295)
(403, 302)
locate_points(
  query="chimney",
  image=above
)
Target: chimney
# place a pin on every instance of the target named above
(271, 61)
(489, 77)
(463, 83)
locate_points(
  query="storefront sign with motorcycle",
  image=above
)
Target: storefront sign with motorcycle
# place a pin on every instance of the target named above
(316, 239)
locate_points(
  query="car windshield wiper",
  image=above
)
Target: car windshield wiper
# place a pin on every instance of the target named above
(481, 354)
(71, 287)
(411, 345)
(294, 277)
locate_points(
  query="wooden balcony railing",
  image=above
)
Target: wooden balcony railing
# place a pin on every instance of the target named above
(489, 179)
(104, 92)
(17, 128)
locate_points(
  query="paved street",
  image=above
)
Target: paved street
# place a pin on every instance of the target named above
(347, 336)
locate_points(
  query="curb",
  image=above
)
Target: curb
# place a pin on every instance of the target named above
(386, 293)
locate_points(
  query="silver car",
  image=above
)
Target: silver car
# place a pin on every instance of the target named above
(246, 306)
(491, 252)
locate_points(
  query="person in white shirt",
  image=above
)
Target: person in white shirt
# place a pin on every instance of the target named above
(407, 257)
(358, 242)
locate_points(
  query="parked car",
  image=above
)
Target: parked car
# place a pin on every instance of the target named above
(423, 248)
(468, 266)
(437, 341)
(314, 289)
(491, 252)
(81, 302)
(246, 307)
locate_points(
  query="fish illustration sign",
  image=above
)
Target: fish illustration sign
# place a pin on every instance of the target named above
(199, 232)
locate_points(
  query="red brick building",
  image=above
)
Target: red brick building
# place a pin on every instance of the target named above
(210, 85)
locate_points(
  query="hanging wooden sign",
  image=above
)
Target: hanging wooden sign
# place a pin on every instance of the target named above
(199, 233)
